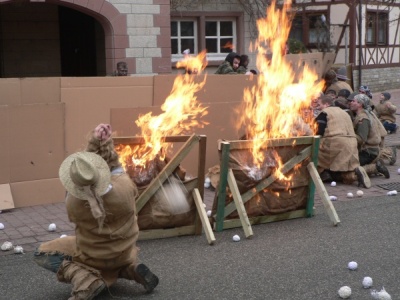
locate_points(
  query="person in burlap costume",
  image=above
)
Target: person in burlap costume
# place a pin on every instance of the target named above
(332, 82)
(369, 135)
(385, 111)
(100, 201)
(338, 154)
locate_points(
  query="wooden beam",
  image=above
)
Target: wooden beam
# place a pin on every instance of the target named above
(223, 179)
(203, 217)
(244, 220)
(330, 209)
(166, 172)
(138, 140)
(248, 144)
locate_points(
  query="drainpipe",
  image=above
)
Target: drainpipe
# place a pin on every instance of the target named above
(359, 42)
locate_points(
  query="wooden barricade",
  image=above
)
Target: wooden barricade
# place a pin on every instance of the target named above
(307, 156)
(196, 186)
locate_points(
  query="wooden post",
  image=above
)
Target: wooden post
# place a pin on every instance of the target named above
(222, 185)
(248, 231)
(330, 209)
(311, 185)
(203, 216)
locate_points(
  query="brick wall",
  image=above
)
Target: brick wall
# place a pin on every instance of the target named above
(378, 80)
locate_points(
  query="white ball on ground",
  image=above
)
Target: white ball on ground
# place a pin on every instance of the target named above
(52, 227)
(332, 198)
(350, 195)
(352, 265)
(63, 236)
(209, 213)
(344, 292)
(333, 183)
(367, 282)
(18, 250)
(236, 238)
(1, 226)
(360, 193)
(6, 246)
(398, 171)
(208, 180)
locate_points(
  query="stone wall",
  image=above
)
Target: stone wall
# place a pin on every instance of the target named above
(379, 79)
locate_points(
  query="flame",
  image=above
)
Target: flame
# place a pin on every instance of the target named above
(228, 45)
(181, 113)
(273, 107)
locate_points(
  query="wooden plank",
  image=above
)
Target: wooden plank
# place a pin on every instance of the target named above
(248, 231)
(201, 174)
(138, 140)
(166, 233)
(248, 144)
(330, 209)
(166, 172)
(290, 164)
(203, 217)
(222, 186)
(311, 185)
(295, 214)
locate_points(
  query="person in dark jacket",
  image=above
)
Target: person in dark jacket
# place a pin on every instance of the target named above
(230, 65)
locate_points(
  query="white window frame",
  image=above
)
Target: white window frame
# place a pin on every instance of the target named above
(222, 55)
(177, 57)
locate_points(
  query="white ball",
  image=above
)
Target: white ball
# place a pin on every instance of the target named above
(332, 198)
(6, 246)
(52, 227)
(209, 213)
(333, 183)
(344, 292)
(63, 236)
(360, 193)
(398, 171)
(352, 265)
(236, 238)
(18, 250)
(367, 282)
(1, 226)
(208, 180)
(350, 195)
(207, 185)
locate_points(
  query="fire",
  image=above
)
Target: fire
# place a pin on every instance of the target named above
(181, 113)
(228, 45)
(273, 108)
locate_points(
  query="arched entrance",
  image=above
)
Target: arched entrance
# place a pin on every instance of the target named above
(60, 38)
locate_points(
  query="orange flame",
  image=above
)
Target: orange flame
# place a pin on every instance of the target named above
(181, 113)
(273, 107)
(228, 45)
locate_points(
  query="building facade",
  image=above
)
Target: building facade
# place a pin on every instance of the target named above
(40, 38)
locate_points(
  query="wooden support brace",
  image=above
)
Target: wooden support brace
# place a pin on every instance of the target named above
(330, 209)
(203, 216)
(248, 231)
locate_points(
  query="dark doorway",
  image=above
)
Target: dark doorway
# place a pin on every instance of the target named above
(77, 43)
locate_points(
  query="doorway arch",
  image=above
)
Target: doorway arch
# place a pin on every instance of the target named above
(110, 25)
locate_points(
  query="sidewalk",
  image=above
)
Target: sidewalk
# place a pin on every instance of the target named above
(28, 226)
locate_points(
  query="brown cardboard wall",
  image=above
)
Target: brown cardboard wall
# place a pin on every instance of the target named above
(10, 91)
(5, 145)
(37, 192)
(36, 141)
(89, 101)
(40, 90)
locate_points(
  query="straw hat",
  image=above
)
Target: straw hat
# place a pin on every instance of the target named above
(82, 171)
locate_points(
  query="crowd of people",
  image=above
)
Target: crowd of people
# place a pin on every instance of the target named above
(352, 130)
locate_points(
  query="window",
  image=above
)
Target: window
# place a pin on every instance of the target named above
(205, 30)
(220, 37)
(183, 36)
(310, 28)
(377, 28)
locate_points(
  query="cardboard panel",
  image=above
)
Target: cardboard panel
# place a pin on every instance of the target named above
(79, 82)
(5, 145)
(36, 141)
(217, 88)
(10, 91)
(6, 199)
(40, 90)
(37, 192)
